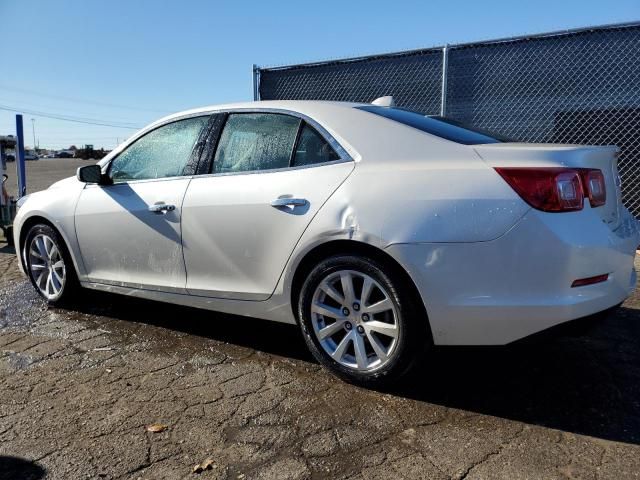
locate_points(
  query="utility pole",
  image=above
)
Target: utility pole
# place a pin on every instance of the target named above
(33, 128)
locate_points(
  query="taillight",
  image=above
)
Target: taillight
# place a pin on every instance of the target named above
(547, 189)
(552, 189)
(594, 186)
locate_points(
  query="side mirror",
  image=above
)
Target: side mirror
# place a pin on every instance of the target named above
(92, 174)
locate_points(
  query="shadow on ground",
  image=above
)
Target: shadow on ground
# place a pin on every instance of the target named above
(587, 384)
(269, 337)
(5, 248)
(19, 468)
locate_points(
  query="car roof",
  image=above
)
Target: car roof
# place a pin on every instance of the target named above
(308, 107)
(349, 126)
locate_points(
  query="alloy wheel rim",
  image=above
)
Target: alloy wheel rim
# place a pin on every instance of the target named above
(47, 266)
(354, 320)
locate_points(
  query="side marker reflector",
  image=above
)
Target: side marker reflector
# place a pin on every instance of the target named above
(581, 282)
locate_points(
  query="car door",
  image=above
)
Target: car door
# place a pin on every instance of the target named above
(129, 231)
(270, 174)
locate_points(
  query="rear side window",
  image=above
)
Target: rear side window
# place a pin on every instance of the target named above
(256, 141)
(448, 131)
(312, 148)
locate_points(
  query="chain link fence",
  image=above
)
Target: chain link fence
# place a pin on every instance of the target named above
(580, 86)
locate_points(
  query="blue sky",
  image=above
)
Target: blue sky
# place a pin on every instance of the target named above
(129, 62)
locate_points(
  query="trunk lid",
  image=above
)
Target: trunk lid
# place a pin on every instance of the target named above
(604, 158)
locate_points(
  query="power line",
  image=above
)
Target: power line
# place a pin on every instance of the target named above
(79, 100)
(62, 111)
(65, 118)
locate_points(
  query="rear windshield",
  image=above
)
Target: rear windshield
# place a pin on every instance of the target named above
(447, 129)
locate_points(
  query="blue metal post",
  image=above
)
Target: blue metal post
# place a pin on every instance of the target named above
(22, 174)
(3, 168)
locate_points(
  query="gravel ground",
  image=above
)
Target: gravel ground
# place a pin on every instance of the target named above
(79, 387)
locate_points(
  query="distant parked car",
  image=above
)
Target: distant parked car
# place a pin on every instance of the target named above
(30, 156)
(10, 158)
(64, 154)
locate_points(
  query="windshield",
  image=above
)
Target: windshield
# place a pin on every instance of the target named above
(438, 126)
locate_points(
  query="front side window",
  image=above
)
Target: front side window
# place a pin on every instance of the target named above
(312, 148)
(163, 152)
(255, 141)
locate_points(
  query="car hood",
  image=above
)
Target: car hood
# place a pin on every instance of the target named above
(65, 182)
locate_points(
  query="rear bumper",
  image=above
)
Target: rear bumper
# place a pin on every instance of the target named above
(571, 328)
(493, 293)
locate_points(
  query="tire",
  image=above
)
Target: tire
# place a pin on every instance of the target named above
(44, 247)
(352, 329)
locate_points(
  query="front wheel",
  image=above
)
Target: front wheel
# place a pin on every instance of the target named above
(359, 319)
(49, 264)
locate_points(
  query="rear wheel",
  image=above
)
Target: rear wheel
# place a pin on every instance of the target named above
(49, 264)
(359, 320)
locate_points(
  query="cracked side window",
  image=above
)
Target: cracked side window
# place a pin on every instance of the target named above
(255, 141)
(163, 152)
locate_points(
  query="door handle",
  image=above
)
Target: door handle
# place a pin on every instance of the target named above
(288, 202)
(161, 208)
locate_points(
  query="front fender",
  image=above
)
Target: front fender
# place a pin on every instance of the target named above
(55, 206)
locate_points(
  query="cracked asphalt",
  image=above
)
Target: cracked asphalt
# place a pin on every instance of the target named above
(79, 386)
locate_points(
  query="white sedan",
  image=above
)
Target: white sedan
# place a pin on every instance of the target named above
(380, 231)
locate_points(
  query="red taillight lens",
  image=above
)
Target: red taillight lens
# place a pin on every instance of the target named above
(593, 181)
(547, 189)
(581, 282)
(557, 189)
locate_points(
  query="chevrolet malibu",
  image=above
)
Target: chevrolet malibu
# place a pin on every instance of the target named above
(379, 231)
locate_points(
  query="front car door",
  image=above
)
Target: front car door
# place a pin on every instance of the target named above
(270, 174)
(129, 232)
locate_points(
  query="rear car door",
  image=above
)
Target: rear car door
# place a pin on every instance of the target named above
(129, 232)
(270, 174)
